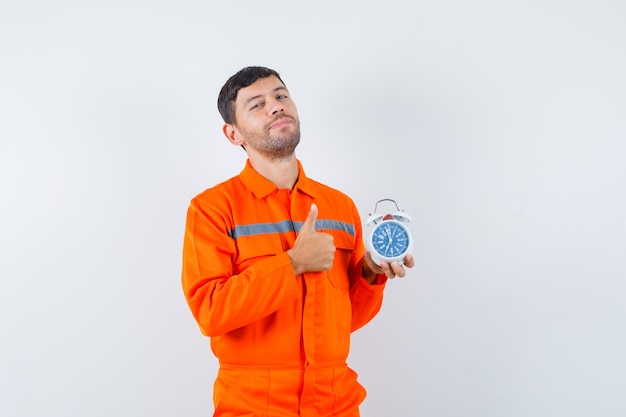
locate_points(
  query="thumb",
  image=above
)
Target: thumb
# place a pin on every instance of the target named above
(309, 223)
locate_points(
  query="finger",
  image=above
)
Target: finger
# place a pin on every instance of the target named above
(387, 269)
(409, 261)
(398, 269)
(309, 223)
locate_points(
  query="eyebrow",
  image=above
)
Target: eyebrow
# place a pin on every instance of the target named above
(279, 88)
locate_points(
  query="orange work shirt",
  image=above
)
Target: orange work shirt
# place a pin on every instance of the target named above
(281, 340)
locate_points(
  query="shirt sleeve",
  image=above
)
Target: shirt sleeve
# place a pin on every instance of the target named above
(366, 298)
(219, 299)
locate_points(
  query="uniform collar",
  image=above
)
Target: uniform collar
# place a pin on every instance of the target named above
(262, 187)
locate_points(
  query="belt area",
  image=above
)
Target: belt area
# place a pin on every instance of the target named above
(301, 366)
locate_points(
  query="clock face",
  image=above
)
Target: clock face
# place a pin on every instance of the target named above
(390, 239)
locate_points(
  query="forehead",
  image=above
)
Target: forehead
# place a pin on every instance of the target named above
(260, 87)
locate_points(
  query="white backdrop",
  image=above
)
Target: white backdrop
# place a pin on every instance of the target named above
(499, 126)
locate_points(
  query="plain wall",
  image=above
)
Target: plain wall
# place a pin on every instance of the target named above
(499, 126)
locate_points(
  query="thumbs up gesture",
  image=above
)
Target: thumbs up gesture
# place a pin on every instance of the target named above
(313, 251)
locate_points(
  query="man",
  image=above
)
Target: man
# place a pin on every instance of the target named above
(274, 269)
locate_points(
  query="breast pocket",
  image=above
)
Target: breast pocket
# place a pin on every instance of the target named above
(339, 274)
(251, 249)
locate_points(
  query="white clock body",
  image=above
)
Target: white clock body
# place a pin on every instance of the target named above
(389, 240)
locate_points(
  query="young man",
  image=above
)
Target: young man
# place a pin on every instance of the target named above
(274, 269)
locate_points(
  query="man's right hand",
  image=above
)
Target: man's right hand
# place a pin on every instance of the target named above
(313, 251)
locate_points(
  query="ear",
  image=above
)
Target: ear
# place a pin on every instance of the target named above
(232, 134)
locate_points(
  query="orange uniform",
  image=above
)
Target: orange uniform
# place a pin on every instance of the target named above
(282, 340)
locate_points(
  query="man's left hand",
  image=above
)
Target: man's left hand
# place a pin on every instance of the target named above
(391, 270)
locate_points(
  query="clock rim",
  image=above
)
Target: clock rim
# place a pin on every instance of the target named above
(377, 257)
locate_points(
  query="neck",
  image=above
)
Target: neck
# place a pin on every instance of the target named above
(281, 172)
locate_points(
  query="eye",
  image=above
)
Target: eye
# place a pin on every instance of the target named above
(256, 105)
(282, 97)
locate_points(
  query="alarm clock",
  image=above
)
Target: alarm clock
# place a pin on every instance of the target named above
(390, 239)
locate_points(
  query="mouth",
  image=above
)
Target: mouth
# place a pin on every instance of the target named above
(284, 121)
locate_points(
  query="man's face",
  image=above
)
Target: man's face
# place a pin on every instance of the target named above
(267, 119)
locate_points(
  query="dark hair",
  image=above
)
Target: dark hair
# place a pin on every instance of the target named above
(243, 78)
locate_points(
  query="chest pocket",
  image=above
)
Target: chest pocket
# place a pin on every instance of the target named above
(339, 275)
(251, 249)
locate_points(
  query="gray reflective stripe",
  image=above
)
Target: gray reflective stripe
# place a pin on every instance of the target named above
(288, 226)
(334, 225)
(262, 229)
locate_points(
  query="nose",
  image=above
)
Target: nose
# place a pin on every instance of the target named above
(277, 106)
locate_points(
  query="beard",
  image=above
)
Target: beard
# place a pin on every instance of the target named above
(275, 145)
